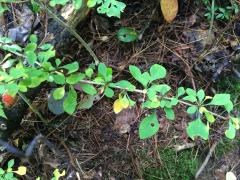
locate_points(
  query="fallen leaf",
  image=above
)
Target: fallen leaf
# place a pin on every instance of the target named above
(124, 119)
(169, 9)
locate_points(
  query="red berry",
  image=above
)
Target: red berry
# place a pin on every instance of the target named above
(8, 100)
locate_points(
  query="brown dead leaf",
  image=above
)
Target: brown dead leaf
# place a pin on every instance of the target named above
(124, 119)
(169, 9)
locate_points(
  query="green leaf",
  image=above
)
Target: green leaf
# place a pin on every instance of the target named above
(109, 92)
(157, 72)
(192, 109)
(210, 118)
(201, 95)
(162, 88)
(86, 102)
(70, 103)
(88, 89)
(127, 34)
(190, 98)
(231, 131)
(124, 85)
(148, 126)
(33, 38)
(174, 101)
(72, 67)
(151, 93)
(220, 99)
(111, 8)
(142, 78)
(2, 113)
(31, 57)
(89, 72)
(105, 72)
(229, 106)
(17, 72)
(12, 89)
(75, 78)
(91, 3)
(191, 92)
(198, 128)
(59, 78)
(77, 4)
(56, 2)
(59, 93)
(10, 163)
(169, 113)
(151, 104)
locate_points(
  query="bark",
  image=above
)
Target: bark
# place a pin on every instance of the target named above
(62, 38)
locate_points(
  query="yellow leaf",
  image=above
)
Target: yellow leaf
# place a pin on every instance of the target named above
(21, 170)
(117, 106)
(169, 9)
(124, 101)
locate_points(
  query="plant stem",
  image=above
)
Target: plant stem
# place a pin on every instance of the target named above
(70, 29)
(144, 92)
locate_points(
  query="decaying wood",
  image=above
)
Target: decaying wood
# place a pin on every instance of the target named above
(61, 38)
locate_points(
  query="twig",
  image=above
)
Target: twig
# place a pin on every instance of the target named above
(212, 17)
(184, 146)
(144, 92)
(32, 108)
(206, 160)
(69, 29)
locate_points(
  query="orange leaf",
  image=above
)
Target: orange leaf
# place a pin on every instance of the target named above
(169, 9)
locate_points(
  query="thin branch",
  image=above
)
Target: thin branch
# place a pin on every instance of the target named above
(70, 29)
(32, 108)
(206, 160)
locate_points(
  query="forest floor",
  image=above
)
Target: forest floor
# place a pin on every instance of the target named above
(91, 142)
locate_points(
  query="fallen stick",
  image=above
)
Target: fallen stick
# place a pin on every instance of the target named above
(205, 162)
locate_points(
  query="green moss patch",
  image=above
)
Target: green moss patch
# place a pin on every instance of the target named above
(182, 165)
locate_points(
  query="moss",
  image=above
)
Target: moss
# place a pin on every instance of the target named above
(177, 166)
(230, 85)
(225, 146)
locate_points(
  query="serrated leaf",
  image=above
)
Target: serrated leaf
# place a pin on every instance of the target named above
(198, 128)
(169, 9)
(157, 72)
(149, 126)
(124, 101)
